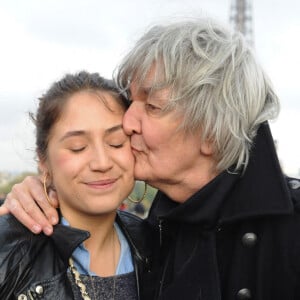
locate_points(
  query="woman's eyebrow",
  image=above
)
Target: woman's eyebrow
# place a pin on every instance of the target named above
(72, 133)
(83, 132)
(114, 128)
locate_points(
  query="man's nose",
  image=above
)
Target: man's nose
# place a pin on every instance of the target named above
(132, 119)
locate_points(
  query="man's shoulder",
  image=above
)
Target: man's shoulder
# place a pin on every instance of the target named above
(294, 188)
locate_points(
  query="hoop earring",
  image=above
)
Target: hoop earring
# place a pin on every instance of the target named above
(141, 199)
(45, 187)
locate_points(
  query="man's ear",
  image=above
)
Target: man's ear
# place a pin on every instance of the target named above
(207, 147)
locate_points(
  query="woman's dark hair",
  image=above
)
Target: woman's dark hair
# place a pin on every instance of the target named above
(51, 104)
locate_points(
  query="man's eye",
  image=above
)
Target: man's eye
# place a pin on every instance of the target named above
(151, 107)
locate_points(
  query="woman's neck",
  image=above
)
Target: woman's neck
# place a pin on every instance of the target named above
(103, 243)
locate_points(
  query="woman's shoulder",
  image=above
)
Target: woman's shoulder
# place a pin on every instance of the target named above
(137, 231)
(128, 217)
(11, 228)
(15, 239)
(134, 223)
(131, 224)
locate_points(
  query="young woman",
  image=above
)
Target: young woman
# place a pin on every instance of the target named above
(85, 156)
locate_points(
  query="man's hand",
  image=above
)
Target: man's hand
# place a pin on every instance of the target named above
(28, 203)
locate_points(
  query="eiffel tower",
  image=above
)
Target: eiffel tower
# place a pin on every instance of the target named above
(241, 18)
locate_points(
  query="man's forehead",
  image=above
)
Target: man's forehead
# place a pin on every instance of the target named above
(137, 86)
(151, 79)
(147, 86)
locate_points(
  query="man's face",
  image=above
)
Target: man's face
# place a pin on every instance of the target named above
(165, 156)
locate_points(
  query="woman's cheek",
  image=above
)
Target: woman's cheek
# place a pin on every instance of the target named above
(128, 155)
(65, 160)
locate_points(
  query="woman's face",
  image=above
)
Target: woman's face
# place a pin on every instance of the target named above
(89, 157)
(165, 157)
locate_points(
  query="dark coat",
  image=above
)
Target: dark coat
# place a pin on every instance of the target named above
(236, 238)
(35, 266)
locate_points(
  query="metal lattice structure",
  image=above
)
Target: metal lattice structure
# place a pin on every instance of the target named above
(241, 18)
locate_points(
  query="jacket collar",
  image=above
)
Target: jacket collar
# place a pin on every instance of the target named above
(261, 190)
(137, 233)
(67, 239)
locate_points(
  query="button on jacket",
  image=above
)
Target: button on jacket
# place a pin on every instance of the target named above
(35, 266)
(236, 238)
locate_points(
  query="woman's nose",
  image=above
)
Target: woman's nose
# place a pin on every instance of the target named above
(100, 160)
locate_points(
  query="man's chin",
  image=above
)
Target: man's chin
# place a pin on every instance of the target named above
(140, 173)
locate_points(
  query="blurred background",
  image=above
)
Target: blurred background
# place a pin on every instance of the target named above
(42, 40)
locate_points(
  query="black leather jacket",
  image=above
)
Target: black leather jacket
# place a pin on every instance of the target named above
(35, 266)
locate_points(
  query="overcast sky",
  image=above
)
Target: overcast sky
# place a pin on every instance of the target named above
(42, 40)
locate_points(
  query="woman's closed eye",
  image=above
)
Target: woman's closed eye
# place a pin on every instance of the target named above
(77, 149)
(117, 146)
(118, 142)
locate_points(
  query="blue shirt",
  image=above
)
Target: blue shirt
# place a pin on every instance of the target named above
(81, 255)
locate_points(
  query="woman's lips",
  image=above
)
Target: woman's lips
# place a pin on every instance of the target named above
(101, 184)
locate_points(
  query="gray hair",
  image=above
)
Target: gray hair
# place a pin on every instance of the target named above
(215, 80)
